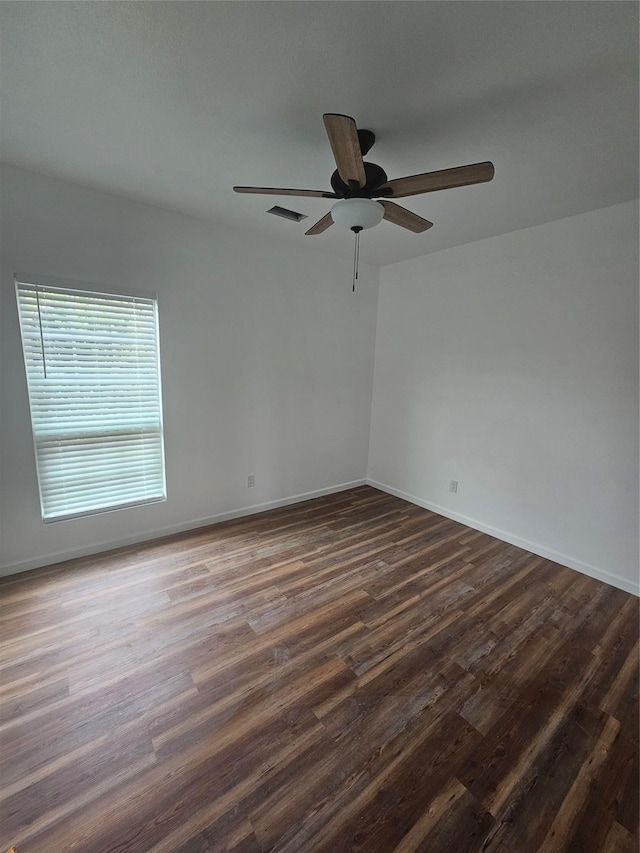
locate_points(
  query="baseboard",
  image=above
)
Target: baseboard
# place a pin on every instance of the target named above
(534, 547)
(158, 533)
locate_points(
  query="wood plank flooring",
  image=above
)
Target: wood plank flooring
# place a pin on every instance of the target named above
(352, 673)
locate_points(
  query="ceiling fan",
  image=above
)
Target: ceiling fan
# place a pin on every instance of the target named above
(356, 183)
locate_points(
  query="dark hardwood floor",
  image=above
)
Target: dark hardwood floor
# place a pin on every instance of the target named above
(352, 673)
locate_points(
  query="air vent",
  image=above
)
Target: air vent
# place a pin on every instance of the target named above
(286, 214)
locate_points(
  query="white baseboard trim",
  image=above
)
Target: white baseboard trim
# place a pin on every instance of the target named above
(540, 550)
(160, 532)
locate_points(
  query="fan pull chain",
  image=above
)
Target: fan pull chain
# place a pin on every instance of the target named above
(356, 257)
(44, 360)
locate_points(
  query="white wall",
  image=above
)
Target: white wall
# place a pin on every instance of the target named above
(511, 365)
(267, 361)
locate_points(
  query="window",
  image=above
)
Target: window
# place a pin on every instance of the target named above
(93, 372)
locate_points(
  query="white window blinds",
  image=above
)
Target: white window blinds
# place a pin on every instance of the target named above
(93, 372)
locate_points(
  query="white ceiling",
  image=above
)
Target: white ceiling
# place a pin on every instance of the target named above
(173, 103)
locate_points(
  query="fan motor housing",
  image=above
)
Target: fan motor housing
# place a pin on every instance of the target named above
(376, 176)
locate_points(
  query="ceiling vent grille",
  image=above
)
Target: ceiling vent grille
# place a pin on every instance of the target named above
(286, 214)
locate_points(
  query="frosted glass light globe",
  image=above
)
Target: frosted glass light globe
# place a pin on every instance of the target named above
(357, 213)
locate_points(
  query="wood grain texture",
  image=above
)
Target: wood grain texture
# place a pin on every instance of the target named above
(321, 225)
(284, 191)
(345, 145)
(352, 673)
(405, 218)
(445, 179)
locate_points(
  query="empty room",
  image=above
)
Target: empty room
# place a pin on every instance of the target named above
(319, 434)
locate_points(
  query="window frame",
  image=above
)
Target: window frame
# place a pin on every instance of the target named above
(76, 286)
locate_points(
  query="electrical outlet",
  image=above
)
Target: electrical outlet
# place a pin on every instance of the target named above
(251, 480)
(453, 485)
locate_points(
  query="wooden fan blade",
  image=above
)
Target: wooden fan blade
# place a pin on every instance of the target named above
(280, 191)
(321, 225)
(343, 136)
(445, 179)
(404, 218)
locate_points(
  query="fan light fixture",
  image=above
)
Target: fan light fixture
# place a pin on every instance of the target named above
(357, 213)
